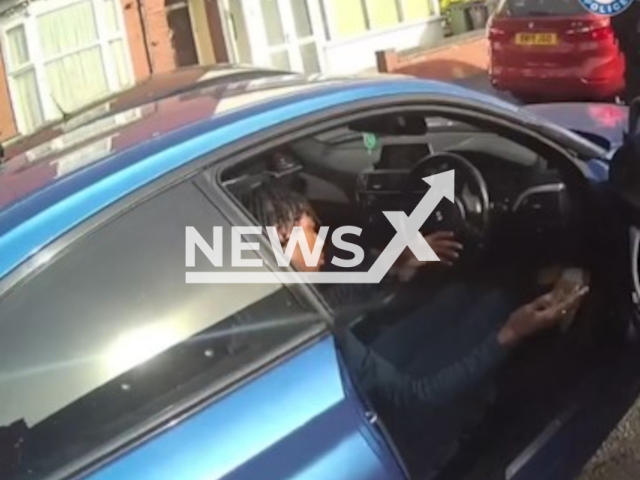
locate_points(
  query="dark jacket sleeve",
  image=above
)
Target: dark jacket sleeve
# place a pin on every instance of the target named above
(405, 390)
(348, 298)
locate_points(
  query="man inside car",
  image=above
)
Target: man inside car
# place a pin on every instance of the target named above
(438, 353)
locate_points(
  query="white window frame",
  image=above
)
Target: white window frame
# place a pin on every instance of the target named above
(28, 18)
(332, 28)
(262, 52)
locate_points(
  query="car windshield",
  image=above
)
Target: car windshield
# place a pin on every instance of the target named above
(541, 8)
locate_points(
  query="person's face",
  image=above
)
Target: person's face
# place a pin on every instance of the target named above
(310, 232)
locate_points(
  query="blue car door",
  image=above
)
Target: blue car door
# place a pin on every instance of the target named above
(296, 421)
(125, 371)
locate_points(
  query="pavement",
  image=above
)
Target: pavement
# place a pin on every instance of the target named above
(619, 456)
(481, 83)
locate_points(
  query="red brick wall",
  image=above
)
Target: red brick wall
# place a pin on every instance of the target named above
(161, 52)
(8, 127)
(158, 35)
(136, 39)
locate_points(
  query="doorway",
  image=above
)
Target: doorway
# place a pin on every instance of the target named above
(237, 26)
(291, 43)
(181, 31)
(275, 33)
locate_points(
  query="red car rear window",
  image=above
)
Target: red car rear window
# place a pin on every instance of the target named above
(541, 8)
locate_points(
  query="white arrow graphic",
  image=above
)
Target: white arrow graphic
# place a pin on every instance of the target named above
(407, 227)
(442, 186)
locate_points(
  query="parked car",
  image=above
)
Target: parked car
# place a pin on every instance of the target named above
(113, 367)
(554, 50)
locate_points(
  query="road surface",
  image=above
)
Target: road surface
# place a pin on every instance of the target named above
(481, 83)
(619, 457)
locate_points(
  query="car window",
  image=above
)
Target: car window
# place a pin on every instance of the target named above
(347, 150)
(344, 134)
(110, 334)
(541, 8)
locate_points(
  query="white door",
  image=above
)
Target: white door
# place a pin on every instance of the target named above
(290, 40)
(236, 31)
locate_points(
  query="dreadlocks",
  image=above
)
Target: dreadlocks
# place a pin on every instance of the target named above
(277, 205)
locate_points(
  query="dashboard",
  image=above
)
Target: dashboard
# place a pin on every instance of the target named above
(529, 204)
(528, 201)
(513, 187)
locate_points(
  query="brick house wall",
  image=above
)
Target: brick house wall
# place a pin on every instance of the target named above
(8, 127)
(159, 54)
(160, 49)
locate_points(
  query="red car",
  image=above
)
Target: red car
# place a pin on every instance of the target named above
(554, 50)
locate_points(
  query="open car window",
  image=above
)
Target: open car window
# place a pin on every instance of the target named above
(346, 150)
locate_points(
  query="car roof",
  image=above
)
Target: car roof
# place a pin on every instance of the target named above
(156, 87)
(53, 194)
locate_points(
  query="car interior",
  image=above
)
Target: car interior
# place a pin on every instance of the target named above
(515, 211)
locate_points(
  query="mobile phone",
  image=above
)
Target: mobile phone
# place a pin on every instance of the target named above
(571, 281)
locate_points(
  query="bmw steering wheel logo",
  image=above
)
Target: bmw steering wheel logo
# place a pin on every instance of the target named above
(606, 7)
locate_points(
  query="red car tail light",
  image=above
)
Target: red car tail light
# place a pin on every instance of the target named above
(597, 32)
(602, 33)
(496, 34)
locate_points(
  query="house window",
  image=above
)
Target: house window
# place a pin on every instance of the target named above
(63, 55)
(349, 18)
(22, 78)
(417, 9)
(382, 13)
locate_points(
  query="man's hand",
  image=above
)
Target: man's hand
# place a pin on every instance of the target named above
(543, 313)
(444, 246)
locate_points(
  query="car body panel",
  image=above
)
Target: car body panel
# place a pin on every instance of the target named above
(583, 61)
(41, 217)
(244, 435)
(91, 143)
(606, 120)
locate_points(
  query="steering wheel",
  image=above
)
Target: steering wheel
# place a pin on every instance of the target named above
(469, 215)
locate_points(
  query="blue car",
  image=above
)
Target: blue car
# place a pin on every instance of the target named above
(114, 367)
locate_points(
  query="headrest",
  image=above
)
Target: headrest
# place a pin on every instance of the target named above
(279, 164)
